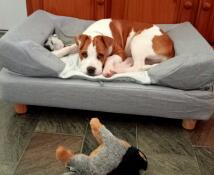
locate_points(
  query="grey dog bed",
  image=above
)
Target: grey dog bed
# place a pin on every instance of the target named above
(31, 74)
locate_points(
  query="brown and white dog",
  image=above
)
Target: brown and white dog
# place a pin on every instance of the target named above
(117, 46)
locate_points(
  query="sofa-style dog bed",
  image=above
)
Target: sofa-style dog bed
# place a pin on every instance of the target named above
(178, 88)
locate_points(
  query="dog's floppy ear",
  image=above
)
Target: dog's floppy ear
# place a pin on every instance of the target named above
(108, 42)
(63, 154)
(81, 39)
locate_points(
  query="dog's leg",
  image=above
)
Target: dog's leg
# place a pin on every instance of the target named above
(111, 62)
(66, 50)
(140, 50)
(128, 62)
(139, 65)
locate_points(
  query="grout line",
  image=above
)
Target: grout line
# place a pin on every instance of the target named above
(83, 140)
(58, 133)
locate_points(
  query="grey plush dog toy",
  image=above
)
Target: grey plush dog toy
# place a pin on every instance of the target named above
(112, 157)
(53, 43)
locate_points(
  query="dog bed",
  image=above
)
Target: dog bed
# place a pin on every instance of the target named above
(32, 74)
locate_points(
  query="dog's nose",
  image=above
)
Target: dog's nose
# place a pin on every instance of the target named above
(91, 70)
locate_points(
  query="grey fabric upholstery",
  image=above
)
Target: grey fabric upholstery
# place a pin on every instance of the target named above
(191, 71)
(30, 59)
(188, 40)
(109, 97)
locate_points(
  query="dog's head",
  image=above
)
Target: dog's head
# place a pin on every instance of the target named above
(93, 53)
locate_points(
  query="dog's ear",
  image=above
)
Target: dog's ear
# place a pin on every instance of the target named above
(108, 42)
(81, 39)
(63, 154)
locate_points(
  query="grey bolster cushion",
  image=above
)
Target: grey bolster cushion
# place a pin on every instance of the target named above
(67, 28)
(30, 59)
(187, 71)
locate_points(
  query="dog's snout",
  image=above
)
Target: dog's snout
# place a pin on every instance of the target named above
(91, 70)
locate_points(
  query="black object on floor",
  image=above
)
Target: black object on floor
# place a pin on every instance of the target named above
(132, 163)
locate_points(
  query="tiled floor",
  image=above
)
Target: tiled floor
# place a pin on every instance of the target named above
(28, 142)
(39, 157)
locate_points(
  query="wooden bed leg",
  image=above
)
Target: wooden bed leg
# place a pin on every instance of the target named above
(21, 108)
(189, 124)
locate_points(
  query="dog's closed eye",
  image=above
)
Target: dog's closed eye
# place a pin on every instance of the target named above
(100, 56)
(84, 54)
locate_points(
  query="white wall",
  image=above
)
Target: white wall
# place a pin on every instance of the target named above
(12, 13)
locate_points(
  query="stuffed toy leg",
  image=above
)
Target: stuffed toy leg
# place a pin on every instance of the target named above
(113, 156)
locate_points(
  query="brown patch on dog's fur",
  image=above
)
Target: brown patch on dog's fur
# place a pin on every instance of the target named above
(163, 45)
(83, 42)
(103, 45)
(121, 30)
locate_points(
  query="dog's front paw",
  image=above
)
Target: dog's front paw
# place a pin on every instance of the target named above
(108, 71)
(121, 67)
(73, 49)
